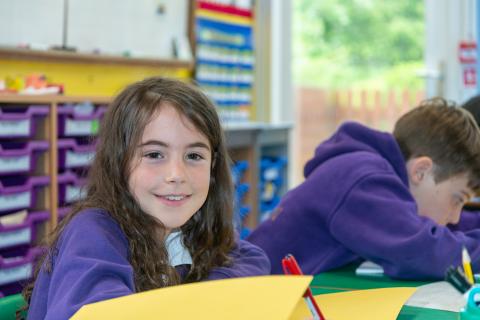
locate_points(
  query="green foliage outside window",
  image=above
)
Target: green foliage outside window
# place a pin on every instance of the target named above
(361, 44)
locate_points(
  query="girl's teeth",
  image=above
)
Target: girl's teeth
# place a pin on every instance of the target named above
(174, 198)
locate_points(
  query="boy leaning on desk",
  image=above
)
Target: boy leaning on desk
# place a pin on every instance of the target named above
(393, 199)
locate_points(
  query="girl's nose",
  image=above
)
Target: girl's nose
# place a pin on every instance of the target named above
(176, 172)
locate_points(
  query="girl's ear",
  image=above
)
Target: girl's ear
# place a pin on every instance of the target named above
(418, 168)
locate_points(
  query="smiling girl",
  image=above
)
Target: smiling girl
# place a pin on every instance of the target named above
(158, 210)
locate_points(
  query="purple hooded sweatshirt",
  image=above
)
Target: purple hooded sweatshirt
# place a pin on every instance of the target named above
(355, 204)
(92, 265)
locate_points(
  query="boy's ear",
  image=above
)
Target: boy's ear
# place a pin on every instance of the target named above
(418, 168)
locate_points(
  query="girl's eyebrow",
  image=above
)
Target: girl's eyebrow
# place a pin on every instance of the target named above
(153, 142)
(166, 145)
(199, 145)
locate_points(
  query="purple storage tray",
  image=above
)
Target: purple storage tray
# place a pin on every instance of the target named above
(22, 233)
(20, 192)
(20, 157)
(17, 266)
(74, 154)
(20, 122)
(70, 188)
(74, 124)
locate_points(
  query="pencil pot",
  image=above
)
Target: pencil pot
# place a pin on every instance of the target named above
(471, 311)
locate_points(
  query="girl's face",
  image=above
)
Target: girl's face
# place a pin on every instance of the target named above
(170, 173)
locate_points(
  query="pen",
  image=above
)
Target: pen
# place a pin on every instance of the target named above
(467, 267)
(290, 266)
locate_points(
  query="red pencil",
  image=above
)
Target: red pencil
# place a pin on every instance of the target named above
(290, 266)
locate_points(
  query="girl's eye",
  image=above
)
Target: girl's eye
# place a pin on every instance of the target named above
(194, 156)
(153, 155)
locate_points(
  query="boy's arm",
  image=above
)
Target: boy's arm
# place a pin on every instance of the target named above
(248, 260)
(378, 220)
(91, 266)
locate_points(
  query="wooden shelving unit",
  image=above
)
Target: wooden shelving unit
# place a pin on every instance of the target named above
(50, 132)
(49, 99)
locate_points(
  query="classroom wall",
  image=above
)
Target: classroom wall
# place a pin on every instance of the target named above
(447, 23)
(29, 21)
(142, 28)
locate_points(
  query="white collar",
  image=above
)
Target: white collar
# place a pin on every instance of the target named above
(177, 252)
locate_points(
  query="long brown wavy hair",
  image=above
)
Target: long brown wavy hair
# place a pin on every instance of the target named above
(208, 235)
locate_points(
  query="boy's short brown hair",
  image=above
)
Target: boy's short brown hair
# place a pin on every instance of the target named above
(447, 134)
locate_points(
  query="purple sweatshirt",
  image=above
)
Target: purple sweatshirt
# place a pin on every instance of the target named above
(92, 266)
(355, 204)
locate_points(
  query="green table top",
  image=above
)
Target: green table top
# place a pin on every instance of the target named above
(344, 279)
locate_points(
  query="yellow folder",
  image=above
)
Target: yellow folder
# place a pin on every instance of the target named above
(372, 304)
(265, 297)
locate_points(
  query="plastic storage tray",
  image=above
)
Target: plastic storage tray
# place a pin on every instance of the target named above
(240, 192)
(271, 168)
(22, 233)
(238, 171)
(74, 154)
(75, 123)
(243, 212)
(16, 267)
(20, 157)
(70, 188)
(270, 189)
(20, 122)
(267, 208)
(20, 192)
